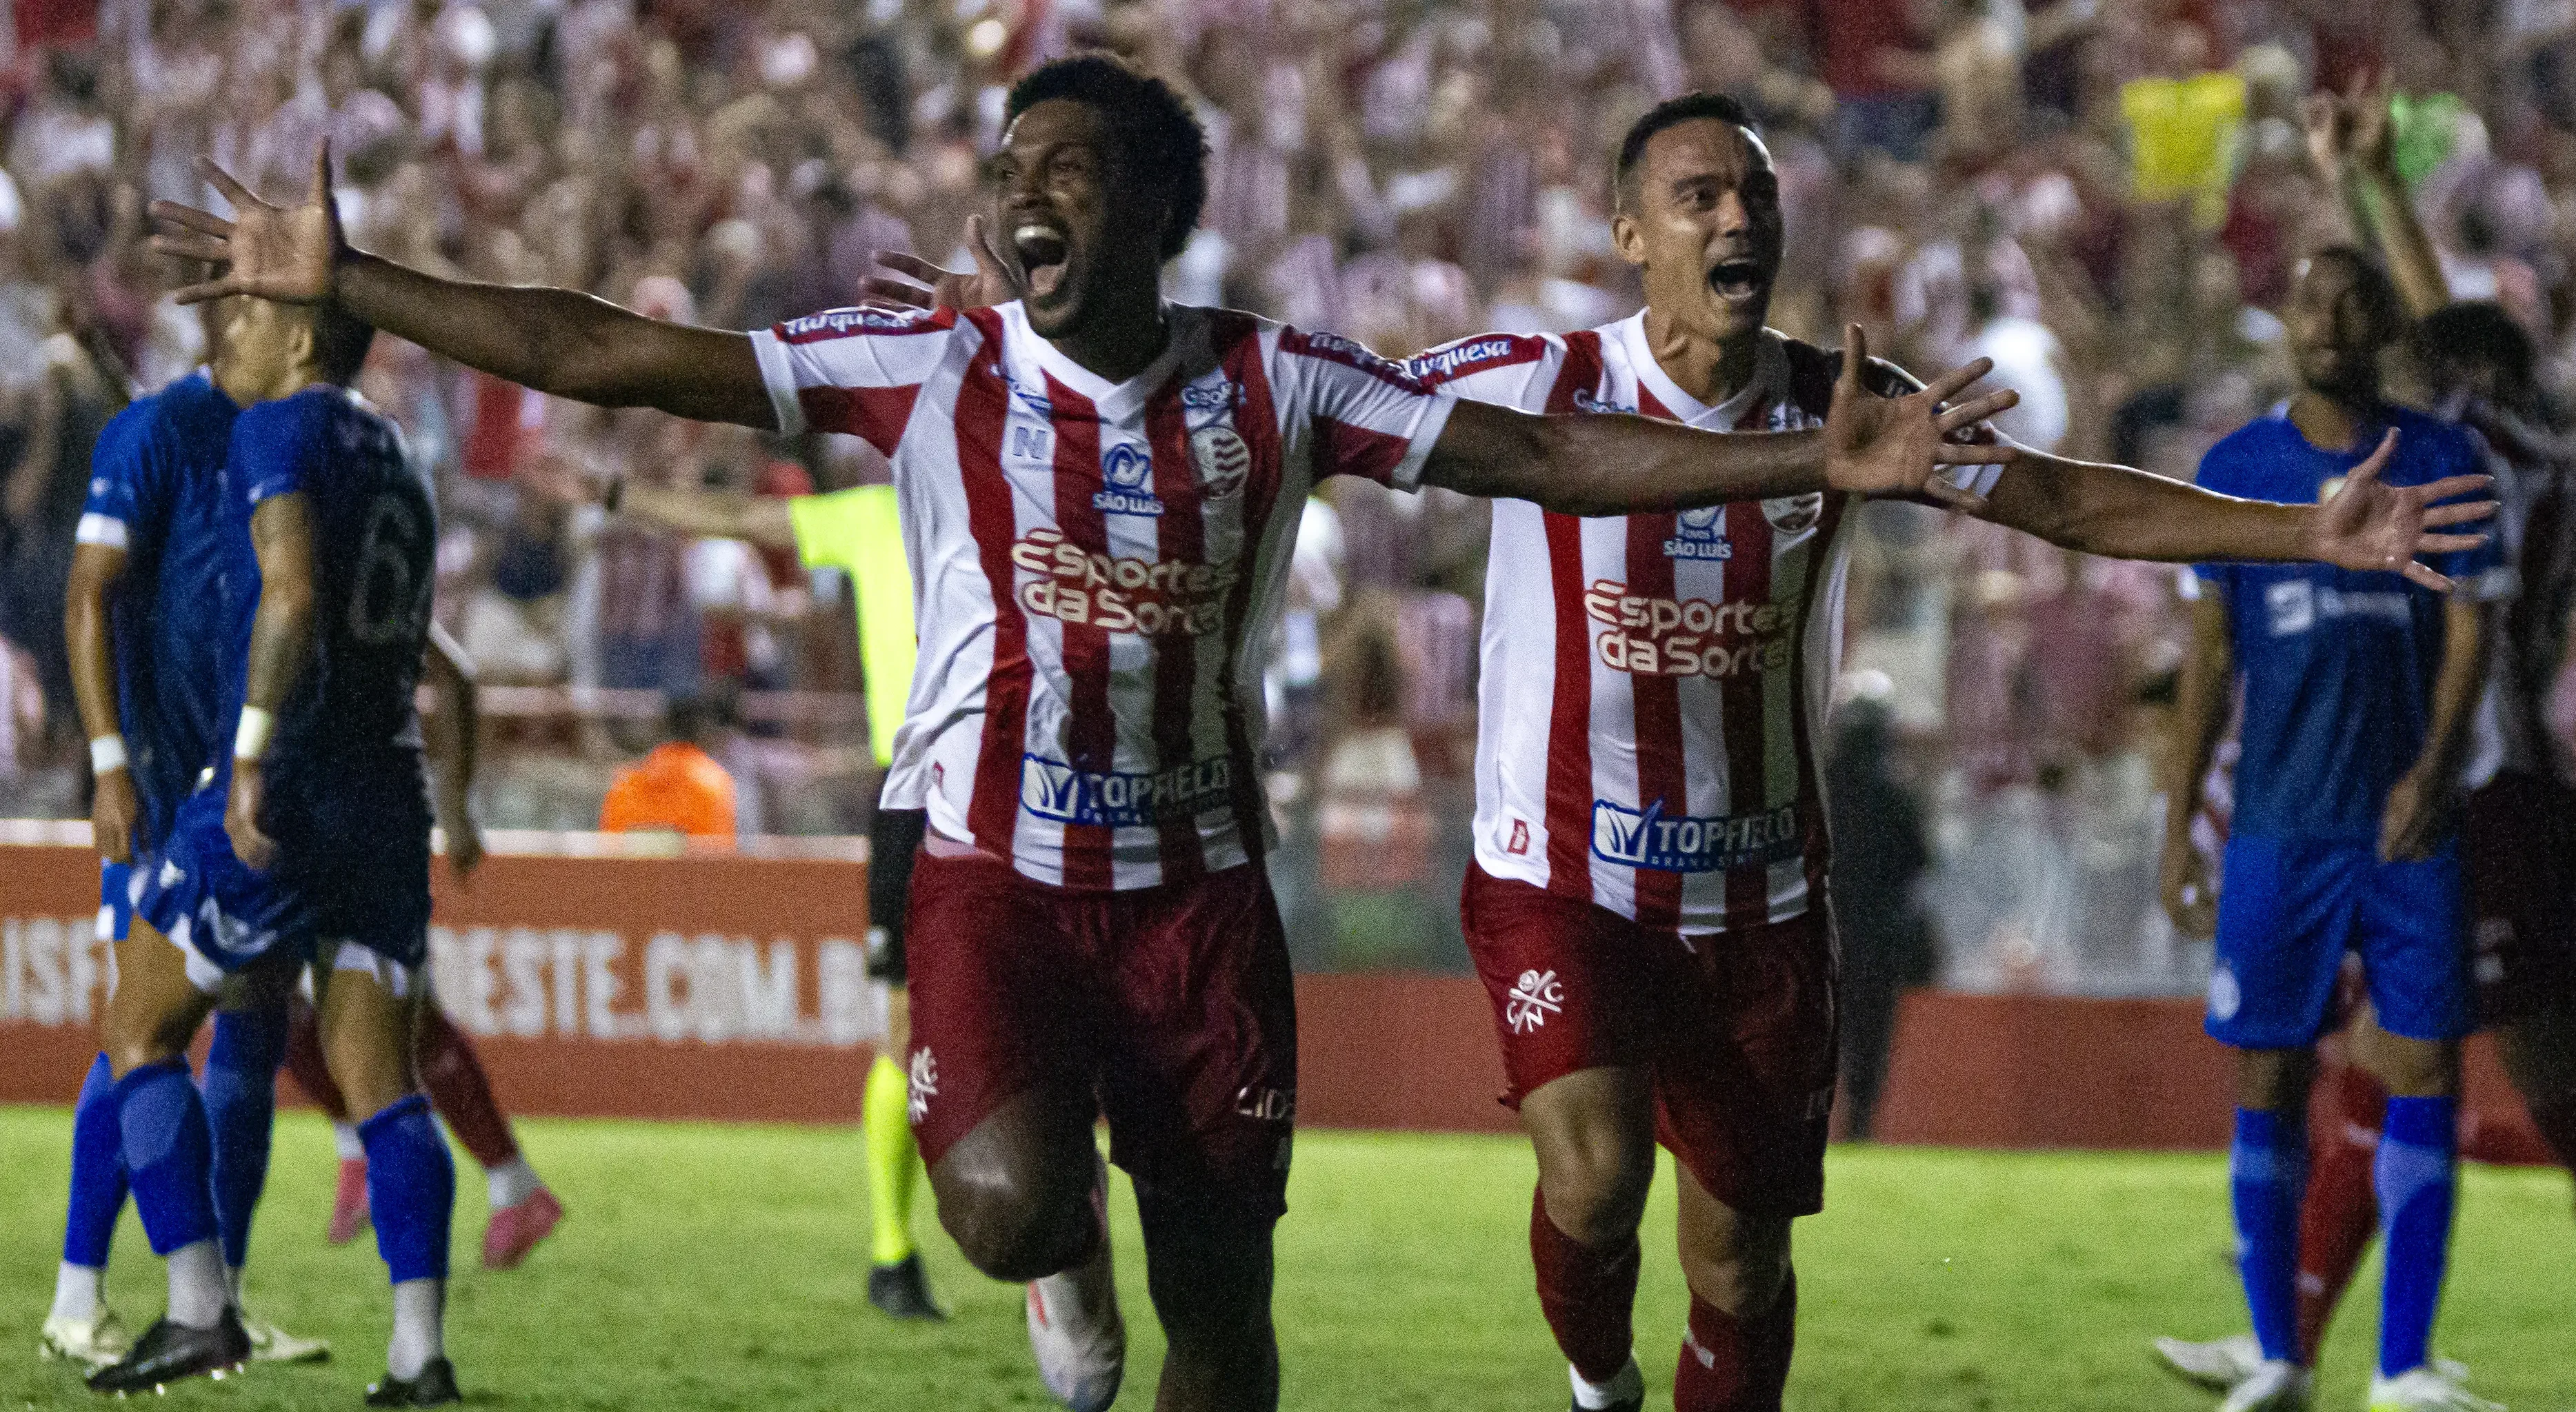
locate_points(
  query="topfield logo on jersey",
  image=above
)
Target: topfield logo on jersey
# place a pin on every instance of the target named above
(1682, 843)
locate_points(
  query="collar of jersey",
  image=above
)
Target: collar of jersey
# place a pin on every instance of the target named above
(1769, 363)
(2365, 440)
(1114, 400)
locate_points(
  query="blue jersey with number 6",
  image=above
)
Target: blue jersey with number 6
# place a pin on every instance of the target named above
(349, 738)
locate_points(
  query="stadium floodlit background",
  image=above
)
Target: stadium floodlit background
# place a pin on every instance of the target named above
(2105, 196)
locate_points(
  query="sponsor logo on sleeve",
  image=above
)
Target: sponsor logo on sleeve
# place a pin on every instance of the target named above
(1472, 356)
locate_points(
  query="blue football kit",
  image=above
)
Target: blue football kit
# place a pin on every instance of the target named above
(2338, 668)
(347, 799)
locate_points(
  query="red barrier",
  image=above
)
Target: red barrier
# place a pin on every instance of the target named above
(727, 986)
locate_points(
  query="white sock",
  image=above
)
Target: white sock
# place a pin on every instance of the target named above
(419, 1327)
(198, 1291)
(512, 1182)
(1628, 1386)
(76, 1291)
(345, 1137)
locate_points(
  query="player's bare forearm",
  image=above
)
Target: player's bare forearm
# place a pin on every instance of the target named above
(2125, 513)
(281, 628)
(1616, 464)
(2200, 711)
(95, 570)
(715, 514)
(2456, 687)
(457, 741)
(562, 342)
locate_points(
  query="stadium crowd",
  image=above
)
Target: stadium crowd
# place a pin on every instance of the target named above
(2104, 196)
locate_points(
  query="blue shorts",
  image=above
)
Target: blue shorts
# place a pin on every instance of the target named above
(2291, 908)
(196, 892)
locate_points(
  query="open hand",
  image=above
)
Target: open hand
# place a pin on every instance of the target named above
(2372, 525)
(1898, 446)
(241, 817)
(2370, 128)
(989, 283)
(287, 253)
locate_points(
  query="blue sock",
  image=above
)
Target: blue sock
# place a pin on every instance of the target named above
(2268, 1170)
(240, 1090)
(168, 1154)
(2415, 1175)
(98, 1172)
(411, 1188)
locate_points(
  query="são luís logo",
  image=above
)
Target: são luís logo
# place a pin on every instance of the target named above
(1124, 469)
(1700, 534)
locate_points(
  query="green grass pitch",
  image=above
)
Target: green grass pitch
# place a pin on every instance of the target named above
(720, 1267)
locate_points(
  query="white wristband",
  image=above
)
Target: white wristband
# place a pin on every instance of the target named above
(106, 754)
(250, 740)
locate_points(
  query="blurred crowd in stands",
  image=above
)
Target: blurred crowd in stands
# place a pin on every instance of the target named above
(2105, 196)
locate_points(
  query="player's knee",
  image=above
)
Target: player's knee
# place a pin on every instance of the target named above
(1596, 1192)
(1015, 1225)
(2273, 1080)
(1742, 1283)
(2413, 1068)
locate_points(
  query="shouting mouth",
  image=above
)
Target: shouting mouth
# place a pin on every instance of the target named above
(1042, 251)
(1737, 279)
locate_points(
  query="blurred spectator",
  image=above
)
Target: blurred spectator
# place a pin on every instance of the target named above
(679, 786)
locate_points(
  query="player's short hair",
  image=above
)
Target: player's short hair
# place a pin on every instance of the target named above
(2378, 292)
(1672, 112)
(2478, 332)
(340, 342)
(1160, 143)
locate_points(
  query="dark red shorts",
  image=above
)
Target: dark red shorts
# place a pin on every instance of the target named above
(1738, 1030)
(1173, 1006)
(2519, 842)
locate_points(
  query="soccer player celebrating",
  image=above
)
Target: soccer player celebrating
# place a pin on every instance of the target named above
(334, 526)
(1091, 484)
(1646, 903)
(147, 678)
(2358, 689)
(856, 530)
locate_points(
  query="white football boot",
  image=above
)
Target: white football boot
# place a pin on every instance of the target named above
(2273, 1387)
(1074, 1326)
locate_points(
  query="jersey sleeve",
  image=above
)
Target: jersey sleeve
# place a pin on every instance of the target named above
(856, 371)
(120, 482)
(1363, 415)
(1518, 371)
(274, 446)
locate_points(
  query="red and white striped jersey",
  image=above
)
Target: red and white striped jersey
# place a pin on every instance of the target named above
(1683, 660)
(1092, 562)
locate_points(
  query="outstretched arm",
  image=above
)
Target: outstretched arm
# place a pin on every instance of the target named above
(95, 570)
(1613, 464)
(2126, 513)
(2412, 264)
(281, 642)
(558, 341)
(716, 514)
(455, 742)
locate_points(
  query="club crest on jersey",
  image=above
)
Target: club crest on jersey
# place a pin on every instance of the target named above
(1125, 467)
(1794, 514)
(1224, 462)
(1700, 534)
(1683, 843)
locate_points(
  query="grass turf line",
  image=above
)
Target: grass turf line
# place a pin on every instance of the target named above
(721, 1267)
